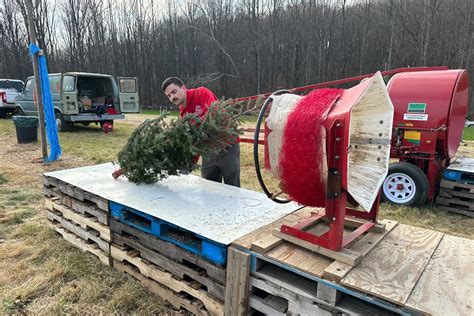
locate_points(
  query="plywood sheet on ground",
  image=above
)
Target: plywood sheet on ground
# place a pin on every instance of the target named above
(219, 212)
(446, 287)
(392, 269)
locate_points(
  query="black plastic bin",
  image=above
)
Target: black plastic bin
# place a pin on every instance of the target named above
(26, 128)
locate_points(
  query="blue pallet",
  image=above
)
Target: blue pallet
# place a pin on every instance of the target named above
(458, 176)
(201, 246)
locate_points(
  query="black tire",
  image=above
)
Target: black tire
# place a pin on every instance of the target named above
(62, 125)
(405, 184)
(3, 113)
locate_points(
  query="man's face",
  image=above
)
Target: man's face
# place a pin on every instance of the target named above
(176, 94)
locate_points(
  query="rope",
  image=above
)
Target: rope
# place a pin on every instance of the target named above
(49, 116)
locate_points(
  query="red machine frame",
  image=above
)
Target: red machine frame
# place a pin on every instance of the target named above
(336, 208)
(336, 202)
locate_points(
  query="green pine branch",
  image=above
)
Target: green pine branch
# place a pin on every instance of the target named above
(157, 149)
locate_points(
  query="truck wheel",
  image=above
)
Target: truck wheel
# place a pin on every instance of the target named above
(3, 113)
(62, 125)
(405, 184)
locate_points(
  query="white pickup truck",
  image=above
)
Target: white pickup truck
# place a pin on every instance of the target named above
(9, 89)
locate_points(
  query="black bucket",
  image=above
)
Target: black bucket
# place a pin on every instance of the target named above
(26, 129)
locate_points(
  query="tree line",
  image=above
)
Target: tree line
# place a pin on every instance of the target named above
(237, 47)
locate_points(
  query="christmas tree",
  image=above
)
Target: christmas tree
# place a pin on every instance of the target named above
(160, 148)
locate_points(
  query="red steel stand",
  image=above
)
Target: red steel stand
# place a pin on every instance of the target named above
(336, 201)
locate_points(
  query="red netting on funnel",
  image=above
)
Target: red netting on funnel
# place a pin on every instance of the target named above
(300, 162)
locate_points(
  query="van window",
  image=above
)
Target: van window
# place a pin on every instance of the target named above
(68, 84)
(30, 84)
(54, 83)
(128, 86)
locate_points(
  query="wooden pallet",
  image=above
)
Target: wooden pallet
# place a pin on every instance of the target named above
(456, 197)
(318, 264)
(87, 223)
(448, 193)
(164, 278)
(81, 244)
(194, 274)
(171, 251)
(275, 291)
(460, 203)
(457, 186)
(83, 207)
(456, 210)
(53, 185)
(183, 238)
(177, 300)
(72, 227)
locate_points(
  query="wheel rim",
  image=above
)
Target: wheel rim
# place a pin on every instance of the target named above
(399, 188)
(58, 123)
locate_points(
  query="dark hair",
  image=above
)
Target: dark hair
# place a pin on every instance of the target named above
(171, 80)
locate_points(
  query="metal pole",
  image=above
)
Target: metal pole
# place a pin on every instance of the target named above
(39, 94)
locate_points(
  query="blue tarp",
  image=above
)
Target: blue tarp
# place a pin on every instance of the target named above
(49, 116)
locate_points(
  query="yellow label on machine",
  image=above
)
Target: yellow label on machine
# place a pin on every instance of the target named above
(413, 135)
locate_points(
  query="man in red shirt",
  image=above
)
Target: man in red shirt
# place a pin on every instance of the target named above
(215, 167)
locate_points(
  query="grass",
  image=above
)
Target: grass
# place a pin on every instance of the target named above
(94, 145)
(3, 179)
(468, 133)
(158, 112)
(41, 273)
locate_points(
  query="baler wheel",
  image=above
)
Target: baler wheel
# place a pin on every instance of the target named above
(405, 184)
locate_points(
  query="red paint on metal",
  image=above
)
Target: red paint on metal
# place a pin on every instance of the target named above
(445, 94)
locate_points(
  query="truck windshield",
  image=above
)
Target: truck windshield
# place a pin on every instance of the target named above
(9, 84)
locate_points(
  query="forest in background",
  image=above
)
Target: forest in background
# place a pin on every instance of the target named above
(237, 47)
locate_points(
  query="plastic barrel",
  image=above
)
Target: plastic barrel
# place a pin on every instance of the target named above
(26, 129)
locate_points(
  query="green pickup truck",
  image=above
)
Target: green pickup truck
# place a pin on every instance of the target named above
(83, 98)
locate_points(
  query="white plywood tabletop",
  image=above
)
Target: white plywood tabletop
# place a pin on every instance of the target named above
(462, 164)
(219, 212)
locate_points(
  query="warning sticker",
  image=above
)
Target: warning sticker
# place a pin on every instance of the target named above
(415, 117)
(416, 107)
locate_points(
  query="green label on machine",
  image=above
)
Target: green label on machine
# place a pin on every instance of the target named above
(416, 107)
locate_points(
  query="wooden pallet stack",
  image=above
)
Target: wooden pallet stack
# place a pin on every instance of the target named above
(183, 269)
(403, 270)
(285, 279)
(80, 217)
(175, 244)
(179, 266)
(456, 193)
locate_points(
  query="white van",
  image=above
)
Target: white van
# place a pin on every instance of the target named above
(83, 98)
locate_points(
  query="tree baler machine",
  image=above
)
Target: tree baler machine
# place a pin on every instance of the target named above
(332, 148)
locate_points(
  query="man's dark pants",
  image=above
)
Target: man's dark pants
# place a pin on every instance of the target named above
(225, 165)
